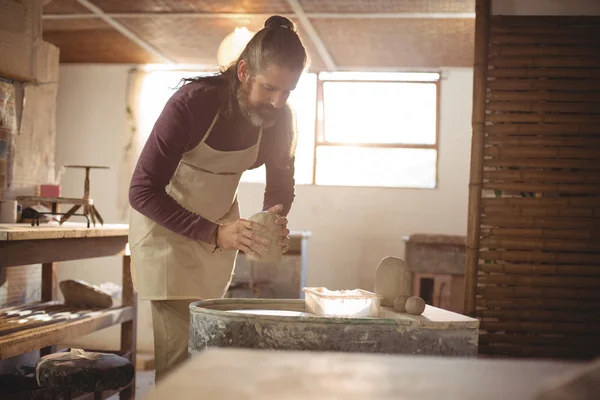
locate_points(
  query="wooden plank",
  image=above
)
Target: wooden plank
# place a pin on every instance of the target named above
(541, 152)
(541, 281)
(508, 38)
(48, 281)
(542, 233)
(537, 304)
(544, 118)
(581, 97)
(579, 21)
(529, 257)
(540, 222)
(565, 85)
(569, 73)
(546, 269)
(541, 244)
(536, 339)
(48, 293)
(544, 201)
(541, 210)
(26, 252)
(21, 342)
(548, 50)
(495, 292)
(56, 200)
(69, 230)
(543, 129)
(544, 61)
(541, 315)
(551, 29)
(482, 17)
(129, 329)
(544, 107)
(284, 376)
(543, 176)
(542, 163)
(591, 189)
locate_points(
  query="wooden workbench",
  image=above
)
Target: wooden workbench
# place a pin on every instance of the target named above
(224, 374)
(22, 244)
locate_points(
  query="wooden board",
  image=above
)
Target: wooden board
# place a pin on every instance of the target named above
(27, 252)
(263, 374)
(15, 343)
(73, 230)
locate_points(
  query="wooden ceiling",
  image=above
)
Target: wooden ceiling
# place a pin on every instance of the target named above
(339, 34)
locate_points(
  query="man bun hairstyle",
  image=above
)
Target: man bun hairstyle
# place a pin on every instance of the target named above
(277, 43)
(281, 22)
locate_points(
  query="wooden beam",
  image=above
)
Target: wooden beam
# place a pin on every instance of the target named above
(203, 15)
(312, 34)
(482, 11)
(122, 29)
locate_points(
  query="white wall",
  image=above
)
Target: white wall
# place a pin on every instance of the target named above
(546, 7)
(353, 228)
(91, 123)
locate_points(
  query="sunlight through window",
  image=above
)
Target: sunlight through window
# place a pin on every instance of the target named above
(375, 129)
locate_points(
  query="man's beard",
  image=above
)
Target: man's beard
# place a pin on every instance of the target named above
(262, 115)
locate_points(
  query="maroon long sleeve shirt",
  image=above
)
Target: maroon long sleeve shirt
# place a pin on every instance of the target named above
(180, 127)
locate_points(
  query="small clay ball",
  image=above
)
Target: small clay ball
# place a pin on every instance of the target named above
(415, 305)
(400, 303)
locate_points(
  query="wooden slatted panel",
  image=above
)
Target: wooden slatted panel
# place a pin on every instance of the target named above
(538, 271)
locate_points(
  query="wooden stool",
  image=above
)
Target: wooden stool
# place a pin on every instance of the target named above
(83, 372)
(89, 209)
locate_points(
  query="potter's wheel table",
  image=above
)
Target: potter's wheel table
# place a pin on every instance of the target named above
(284, 325)
(224, 374)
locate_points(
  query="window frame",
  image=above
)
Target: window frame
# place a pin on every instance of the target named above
(319, 131)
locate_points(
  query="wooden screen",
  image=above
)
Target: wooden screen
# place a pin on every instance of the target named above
(533, 261)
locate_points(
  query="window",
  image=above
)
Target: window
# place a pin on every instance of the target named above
(377, 130)
(354, 129)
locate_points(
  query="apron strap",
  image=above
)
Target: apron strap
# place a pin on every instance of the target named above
(210, 128)
(260, 133)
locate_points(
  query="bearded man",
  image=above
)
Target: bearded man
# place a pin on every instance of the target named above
(185, 226)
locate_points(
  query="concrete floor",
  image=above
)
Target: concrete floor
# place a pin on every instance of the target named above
(143, 383)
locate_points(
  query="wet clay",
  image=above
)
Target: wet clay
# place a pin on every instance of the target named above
(268, 219)
(415, 305)
(392, 279)
(82, 294)
(400, 303)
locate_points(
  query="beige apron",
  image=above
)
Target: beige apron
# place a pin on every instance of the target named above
(169, 266)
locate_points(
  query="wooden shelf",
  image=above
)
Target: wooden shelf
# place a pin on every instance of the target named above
(50, 323)
(22, 244)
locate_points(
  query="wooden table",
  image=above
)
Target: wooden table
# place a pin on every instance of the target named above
(22, 244)
(220, 374)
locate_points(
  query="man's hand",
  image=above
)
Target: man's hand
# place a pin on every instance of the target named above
(284, 242)
(243, 235)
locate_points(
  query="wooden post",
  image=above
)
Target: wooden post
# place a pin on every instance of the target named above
(482, 13)
(48, 281)
(129, 329)
(48, 293)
